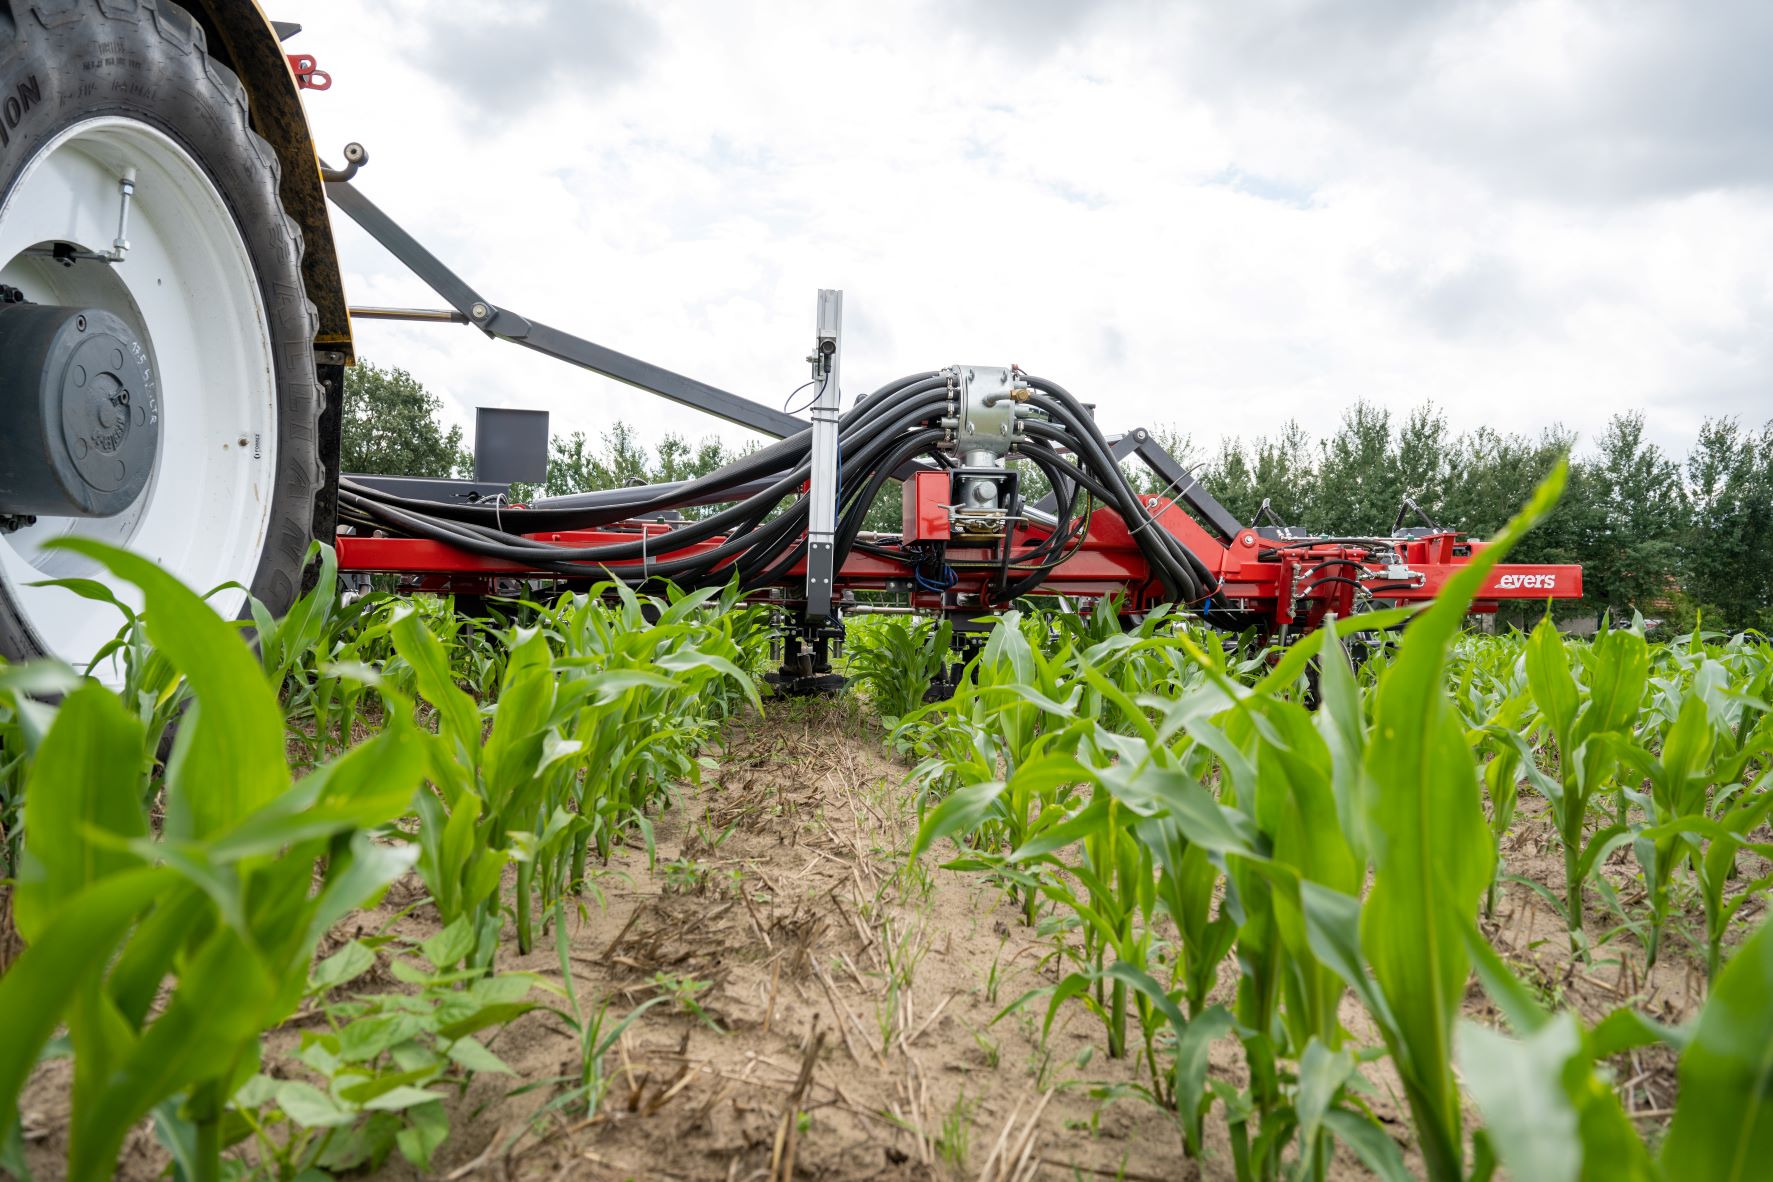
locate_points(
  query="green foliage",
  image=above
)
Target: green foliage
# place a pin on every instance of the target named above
(894, 660)
(1652, 533)
(1158, 802)
(376, 1077)
(170, 913)
(1588, 717)
(574, 465)
(1727, 551)
(596, 712)
(1551, 1114)
(582, 1091)
(25, 716)
(391, 427)
(167, 957)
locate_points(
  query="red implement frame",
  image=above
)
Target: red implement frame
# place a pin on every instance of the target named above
(1284, 584)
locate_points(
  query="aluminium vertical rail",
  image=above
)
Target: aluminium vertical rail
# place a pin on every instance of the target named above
(821, 533)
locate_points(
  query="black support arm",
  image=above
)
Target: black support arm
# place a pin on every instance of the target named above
(507, 325)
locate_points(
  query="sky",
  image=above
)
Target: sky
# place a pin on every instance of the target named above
(1212, 217)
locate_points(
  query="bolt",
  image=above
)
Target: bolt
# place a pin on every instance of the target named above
(480, 311)
(244, 441)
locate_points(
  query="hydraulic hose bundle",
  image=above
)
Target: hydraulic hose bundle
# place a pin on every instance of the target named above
(760, 533)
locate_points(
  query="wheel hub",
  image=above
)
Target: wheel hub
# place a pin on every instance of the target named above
(82, 409)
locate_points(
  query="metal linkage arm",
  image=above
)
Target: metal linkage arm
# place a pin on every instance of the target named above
(507, 325)
(1182, 484)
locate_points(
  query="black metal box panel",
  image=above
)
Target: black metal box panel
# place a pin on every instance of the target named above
(510, 446)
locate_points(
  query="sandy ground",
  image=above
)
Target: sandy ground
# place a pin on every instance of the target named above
(858, 1010)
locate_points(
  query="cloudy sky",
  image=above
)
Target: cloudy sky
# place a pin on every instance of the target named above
(1215, 216)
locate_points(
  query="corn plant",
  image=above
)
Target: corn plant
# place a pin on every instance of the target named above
(1401, 949)
(1549, 1114)
(147, 681)
(167, 957)
(1291, 810)
(26, 712)
(1112, 829)
(1590, 719)
(896, 661)
(648, 683)
(599, 709)
(375, 1078)
(323, 655)
(462, 854)
(1708, 737)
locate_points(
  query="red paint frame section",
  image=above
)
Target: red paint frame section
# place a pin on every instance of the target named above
(1293, 584)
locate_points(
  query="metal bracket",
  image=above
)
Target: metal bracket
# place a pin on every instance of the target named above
(821, 533)
(307, 72)
(67, 254)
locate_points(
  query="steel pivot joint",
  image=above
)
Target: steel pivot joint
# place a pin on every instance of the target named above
(985, 433)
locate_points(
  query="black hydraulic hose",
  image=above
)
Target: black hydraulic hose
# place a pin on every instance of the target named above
(1034, 578)
(860, 504)
(489, 543)
(1036, 429)
(1329, 564)
(786, 531)
(740, 514)
(1313, 586)
(1178, 580)
(906, 387)
(1196, 580)
(616, 505)
(736, 519)
(1061, 470)
(879, 434)
(1066, 489)
(1062, 476)
(878, 465)
(851, 522)
(643, 499)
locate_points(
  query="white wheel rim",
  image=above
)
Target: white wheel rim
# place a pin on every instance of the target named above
(187, 289)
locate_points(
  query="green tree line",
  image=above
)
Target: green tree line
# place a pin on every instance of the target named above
(1677, 538)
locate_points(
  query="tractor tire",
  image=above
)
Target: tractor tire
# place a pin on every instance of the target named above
(214, 283)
